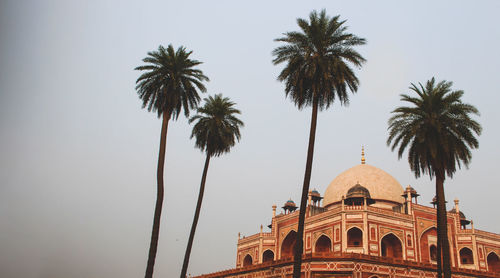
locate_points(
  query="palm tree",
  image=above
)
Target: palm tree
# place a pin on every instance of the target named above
(216, 130)
(169, 84)
(316, 73)
(439, 133)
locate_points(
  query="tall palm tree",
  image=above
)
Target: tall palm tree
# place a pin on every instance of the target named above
(317, 72)
(439, 133)
(169, 84)
(216, 130)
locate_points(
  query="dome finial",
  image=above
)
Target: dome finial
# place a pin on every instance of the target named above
(362, 154)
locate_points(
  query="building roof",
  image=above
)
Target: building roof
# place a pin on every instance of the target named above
(289, 203)
(462, 215)
(358, 191)
(379, 183)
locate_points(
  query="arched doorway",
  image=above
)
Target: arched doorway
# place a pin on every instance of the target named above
(391, 246)
(493, 263)
(247, 260)
(428, 243)
(466, 257)
(354, 237)
(288, 245)
(433, 253)
(267, 256)
(323, 244)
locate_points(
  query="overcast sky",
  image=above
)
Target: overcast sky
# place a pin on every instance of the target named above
(78, 154)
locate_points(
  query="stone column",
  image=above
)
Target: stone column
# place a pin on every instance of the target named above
(365, 230)
(343, 238)
(408, 201)
(474, 247)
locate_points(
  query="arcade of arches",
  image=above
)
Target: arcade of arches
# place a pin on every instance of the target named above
(389, 228)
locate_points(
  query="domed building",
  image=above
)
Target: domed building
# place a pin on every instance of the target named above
(367, 226)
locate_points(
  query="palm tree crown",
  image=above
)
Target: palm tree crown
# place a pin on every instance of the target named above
(318, 60)
(437, 128)
(170, 83)
(217, 127)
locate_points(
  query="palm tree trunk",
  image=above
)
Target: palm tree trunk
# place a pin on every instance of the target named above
(443, 225)
(195, 219)
(299, 245)
(159, 197)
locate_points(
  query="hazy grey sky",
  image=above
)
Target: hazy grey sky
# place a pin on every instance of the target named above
(78, 154)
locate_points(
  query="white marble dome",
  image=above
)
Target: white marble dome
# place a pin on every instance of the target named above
(381, 185)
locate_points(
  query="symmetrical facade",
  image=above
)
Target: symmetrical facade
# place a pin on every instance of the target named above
(368, 226)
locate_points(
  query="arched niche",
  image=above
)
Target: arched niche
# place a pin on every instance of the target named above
(493, 262)
(288, 245)
(391, 246)
(427, 240)
(247, 260)
(466, 256)
(354, 237)
(267, 256)
(323, 244)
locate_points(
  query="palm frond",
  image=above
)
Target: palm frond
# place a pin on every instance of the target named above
(170, 82)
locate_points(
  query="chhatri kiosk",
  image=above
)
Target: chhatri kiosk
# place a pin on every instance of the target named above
(368, 226)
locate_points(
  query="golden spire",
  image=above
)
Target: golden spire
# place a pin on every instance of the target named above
(362, 154)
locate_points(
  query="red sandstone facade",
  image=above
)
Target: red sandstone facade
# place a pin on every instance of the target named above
(374, 229)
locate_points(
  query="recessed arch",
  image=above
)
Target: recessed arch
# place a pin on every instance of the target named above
(268, 256)
(466, 256)
(247, 260)
(428, 239)
(323, 244)
(391, 246)
(288, 245)
(354, 237)
(493, 262)
(427, 229)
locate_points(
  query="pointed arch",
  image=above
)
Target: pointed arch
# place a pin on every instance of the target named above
(428, 238)
(493, 262)
(288, 245)
(247, 260)
(466, 256)
(268, 256)
(391, 246)
(323, 244)
(354, 237)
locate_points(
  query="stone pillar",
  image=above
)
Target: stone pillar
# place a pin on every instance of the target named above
(408, 201)
(261, 241)
(474, 247)
(274, 211)
(365, 230)
(343, 238)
